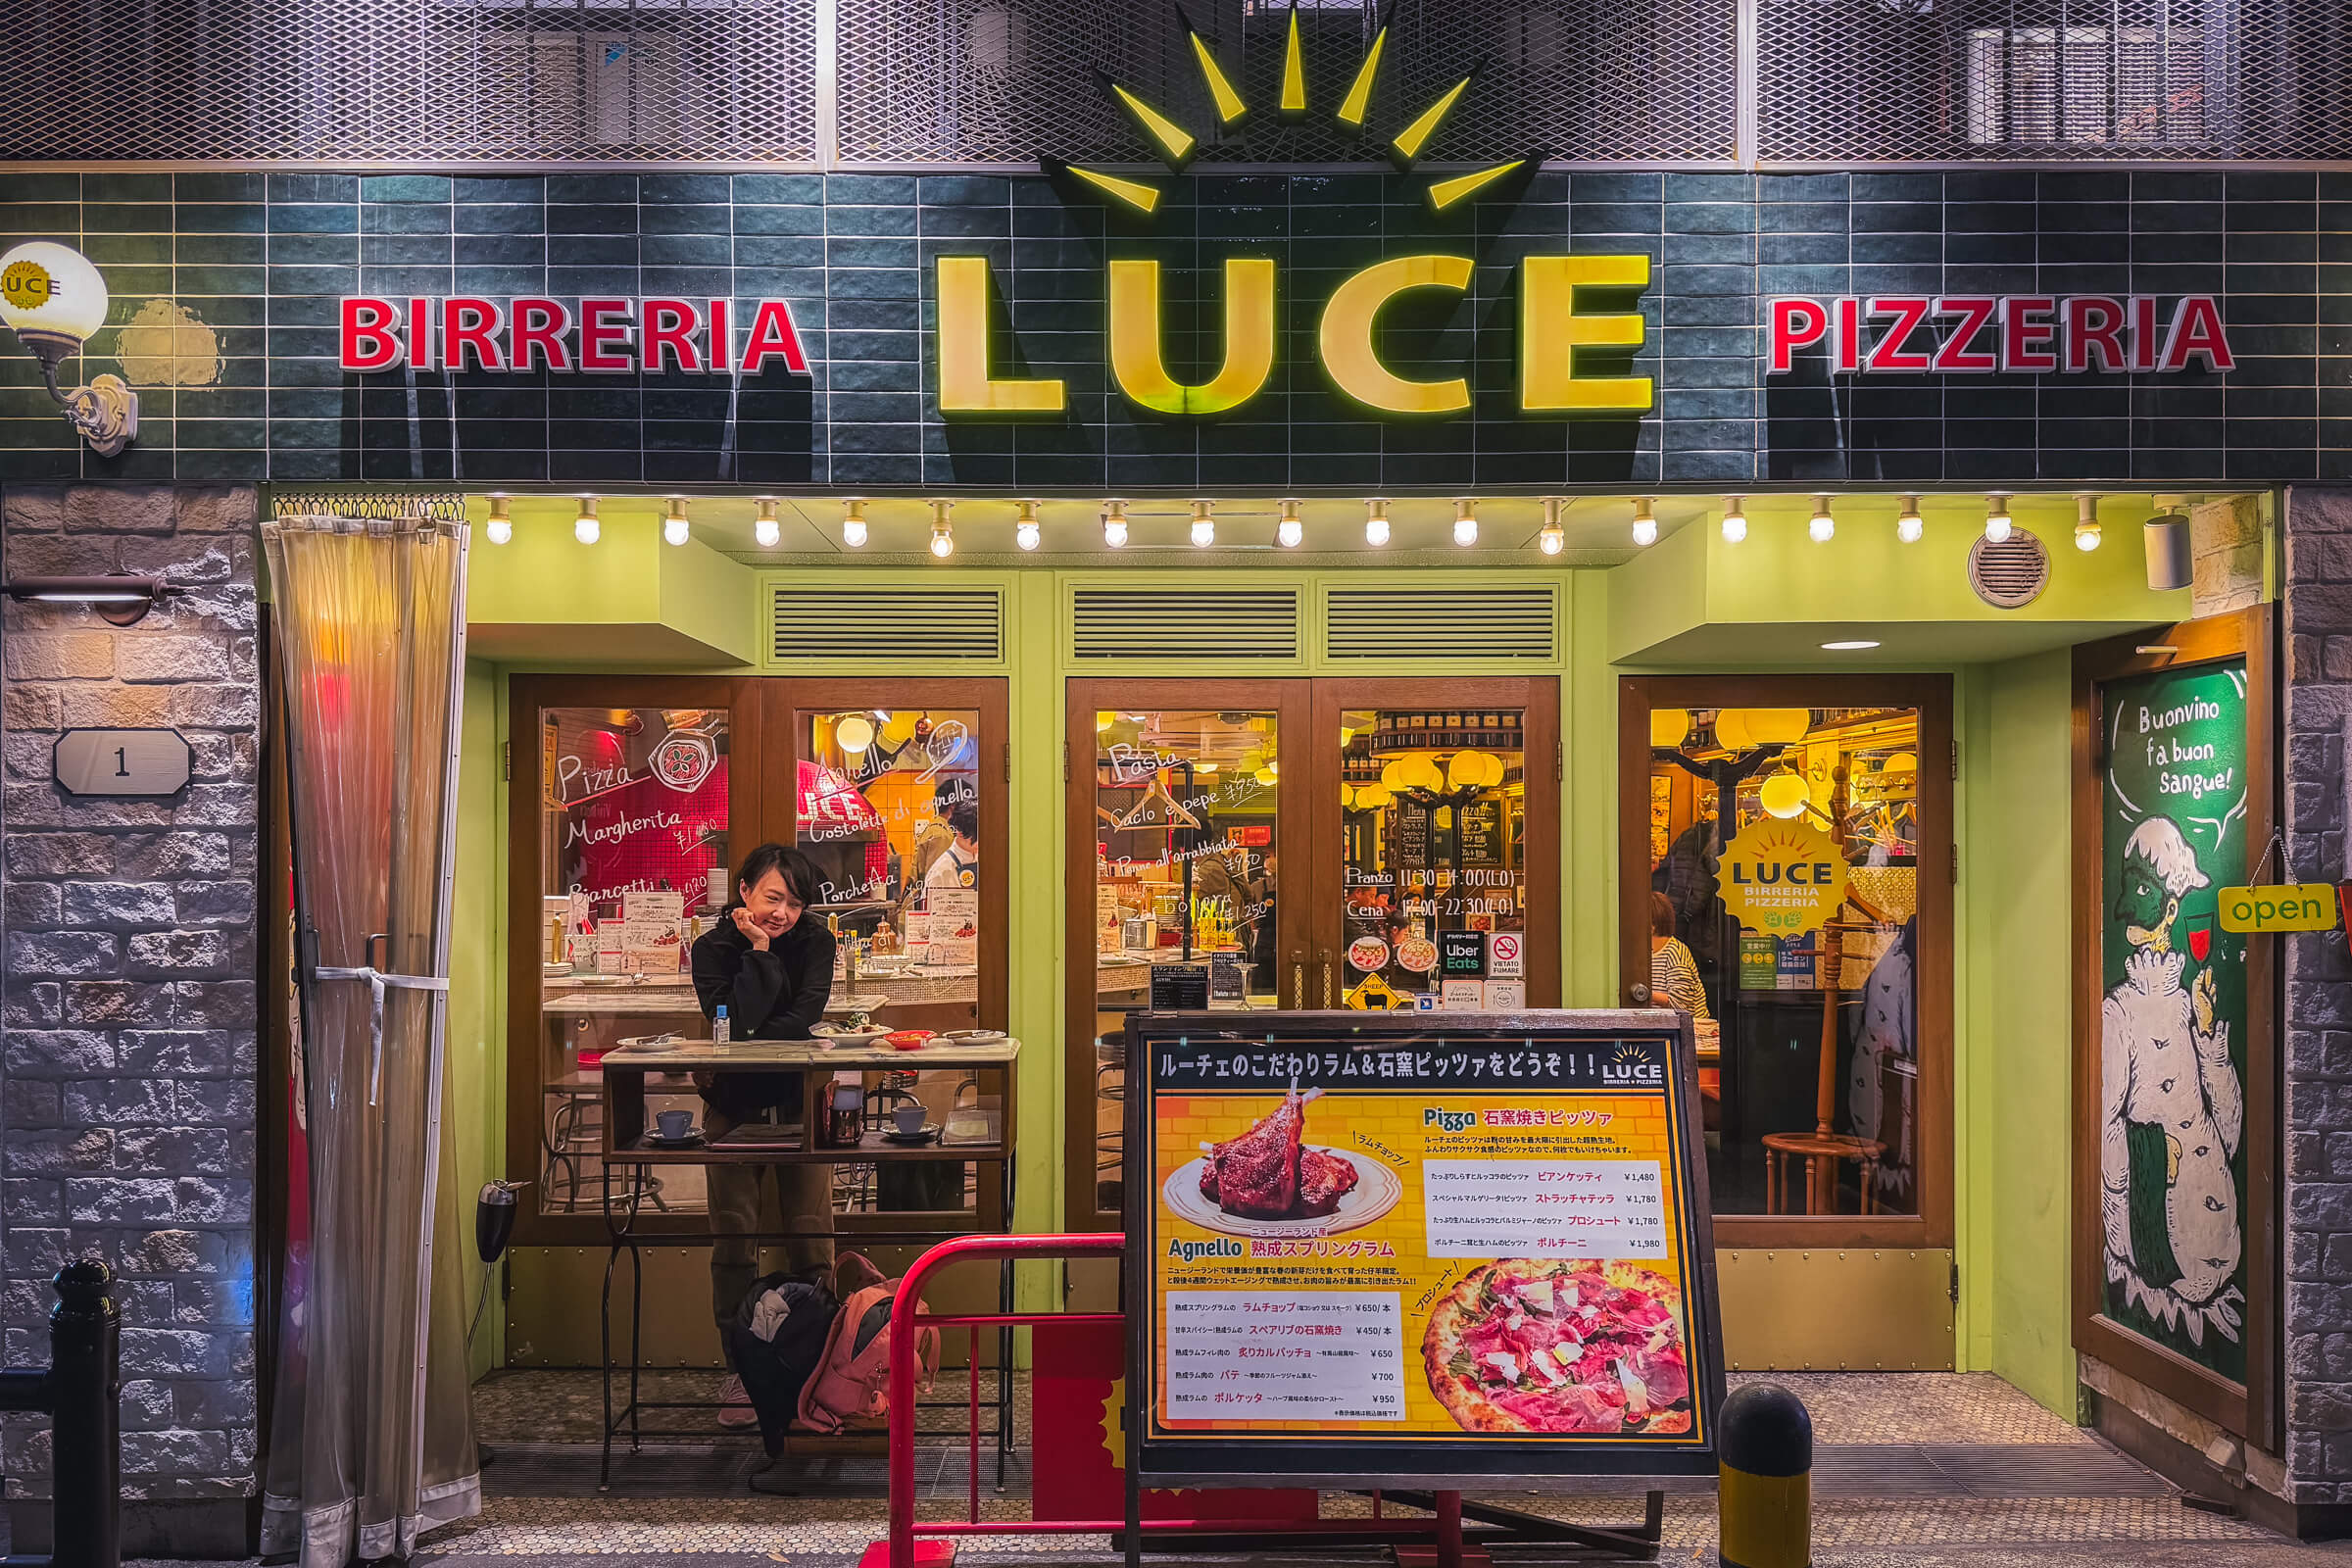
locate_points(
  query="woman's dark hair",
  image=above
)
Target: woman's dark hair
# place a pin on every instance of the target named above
(799, 872)
(1661, 915)
(965, 817)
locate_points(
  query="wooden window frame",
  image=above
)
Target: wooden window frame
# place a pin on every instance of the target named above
(1932, 697)
(2251, 1409)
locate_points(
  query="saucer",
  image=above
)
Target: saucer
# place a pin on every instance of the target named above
(913, 1140)
(691, 1140)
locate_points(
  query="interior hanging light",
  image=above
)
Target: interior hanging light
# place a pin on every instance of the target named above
(2087, 523)
(1645, 524)
(1997, 522)
(1465, 522)
(943, 532)
(1552, 538)
(674, 523)
(852, 523)
(1114, 524)
(501, 528)
(1824, 527)
(1734, 519)
(584, 527)
(1289, 532)
(1376, 522)
(765, 528)
(1784, 794)
(1908, 524)
(855, 732)
(1024, 524)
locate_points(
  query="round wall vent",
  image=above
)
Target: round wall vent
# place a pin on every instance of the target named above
(2012, 573)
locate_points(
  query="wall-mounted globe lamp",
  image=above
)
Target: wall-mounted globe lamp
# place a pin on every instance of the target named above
(56, 302)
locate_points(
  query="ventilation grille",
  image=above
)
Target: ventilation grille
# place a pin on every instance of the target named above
(1448, 623)
(1226, 623)
(962, 625)
(2011, 574)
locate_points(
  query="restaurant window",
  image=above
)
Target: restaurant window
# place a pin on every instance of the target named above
(1807, 999)
(633, 855)
(1187, 849)
(1433, 825)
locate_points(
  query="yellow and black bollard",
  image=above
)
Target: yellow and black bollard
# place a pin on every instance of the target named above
(1765, 1501)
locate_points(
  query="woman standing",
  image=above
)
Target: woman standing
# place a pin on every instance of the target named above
(772, 969)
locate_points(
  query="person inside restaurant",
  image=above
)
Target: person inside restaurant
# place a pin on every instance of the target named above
(771, 967)
(958, 866)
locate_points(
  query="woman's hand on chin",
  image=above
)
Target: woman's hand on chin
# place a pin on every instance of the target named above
(752, 929)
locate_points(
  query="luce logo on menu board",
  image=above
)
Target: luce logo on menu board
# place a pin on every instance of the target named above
(1373, 1250)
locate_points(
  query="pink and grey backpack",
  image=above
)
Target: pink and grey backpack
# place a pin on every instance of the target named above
(851, 1385)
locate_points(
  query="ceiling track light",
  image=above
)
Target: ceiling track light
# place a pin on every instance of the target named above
(766, 529)
(1465, 522)
(1824, 527)
(852, 522)
(943, 532)
(2086, 523)
(1645, 524)
(1114, 524)
(1734, 519)
(1205, 524)
(584, 527)
(1289, 532)
(1024, 524)
(500, 527)
(1552, 538)
(1997, 522)
(1908, 524)
(1376, 522)
(675, 528)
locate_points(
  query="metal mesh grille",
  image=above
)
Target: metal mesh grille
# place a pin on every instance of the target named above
(2051, 81)
(995, 80)
(410, 80)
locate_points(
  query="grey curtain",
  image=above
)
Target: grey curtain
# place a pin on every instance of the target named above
(372, 1440)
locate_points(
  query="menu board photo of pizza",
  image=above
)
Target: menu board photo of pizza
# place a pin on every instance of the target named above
(1370, 1244)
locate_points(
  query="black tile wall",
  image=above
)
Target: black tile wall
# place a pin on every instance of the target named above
(245, 269)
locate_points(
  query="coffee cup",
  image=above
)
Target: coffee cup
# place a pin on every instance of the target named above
(674, 1125)
(910, 1118)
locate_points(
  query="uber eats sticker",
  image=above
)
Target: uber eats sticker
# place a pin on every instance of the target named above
(2172, 1028)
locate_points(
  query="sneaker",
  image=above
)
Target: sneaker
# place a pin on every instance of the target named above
(735, 1405)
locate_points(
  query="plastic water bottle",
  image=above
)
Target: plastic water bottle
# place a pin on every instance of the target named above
(719, 1026)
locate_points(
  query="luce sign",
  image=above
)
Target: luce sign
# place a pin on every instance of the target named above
(1417, 1245)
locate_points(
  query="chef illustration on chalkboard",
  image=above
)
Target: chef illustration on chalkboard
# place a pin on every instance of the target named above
(2171, 1105)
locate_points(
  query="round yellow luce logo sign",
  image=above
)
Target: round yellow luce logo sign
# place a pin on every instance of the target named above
(27, 285)
(1782, 878)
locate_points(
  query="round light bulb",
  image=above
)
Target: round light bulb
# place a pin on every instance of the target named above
(1823, 527)
(584, 527)
(766, 529)
(2086, 523)
(675, 528)
(852, 523)
(1289, 532)
(500, 527)
(943, 544)
(1908, 524)
(51, 295)
(1465, 524)
(1024, 528)
(1646, 524)
(1997, 522)
(1784, 794)
(1376, 524)
(1551, 538)
(1735, 520)
(855, 733)
(943, 532)
(1205, 524)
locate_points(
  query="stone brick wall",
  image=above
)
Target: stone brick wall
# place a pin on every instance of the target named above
(2318, 1043)
(128, 1075)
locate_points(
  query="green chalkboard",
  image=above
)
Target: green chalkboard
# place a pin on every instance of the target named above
(2173, 1017)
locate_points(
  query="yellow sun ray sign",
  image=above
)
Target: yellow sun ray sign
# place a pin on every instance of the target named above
(1293, 107)
(1231, 109)
(1358, 101)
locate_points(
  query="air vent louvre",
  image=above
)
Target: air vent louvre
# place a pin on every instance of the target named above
(1224, 624)
(1450, 624)
(2012, 573)
(962, 625)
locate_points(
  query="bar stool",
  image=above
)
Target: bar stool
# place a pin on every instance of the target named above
(1111, 1147)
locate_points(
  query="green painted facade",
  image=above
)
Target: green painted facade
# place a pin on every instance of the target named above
(559, 607)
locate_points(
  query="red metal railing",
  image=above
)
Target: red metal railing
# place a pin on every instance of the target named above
(1445, 1530)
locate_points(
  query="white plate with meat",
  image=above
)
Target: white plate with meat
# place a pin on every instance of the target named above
(1268, 1183)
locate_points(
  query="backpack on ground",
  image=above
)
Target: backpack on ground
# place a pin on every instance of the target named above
(849, 1387)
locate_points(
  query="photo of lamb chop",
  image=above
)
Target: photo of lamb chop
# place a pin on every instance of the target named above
(1268, 1174)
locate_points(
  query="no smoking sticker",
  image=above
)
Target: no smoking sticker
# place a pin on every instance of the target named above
(1506, 954)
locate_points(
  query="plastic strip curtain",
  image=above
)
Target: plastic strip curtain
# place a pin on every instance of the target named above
(372, 1442)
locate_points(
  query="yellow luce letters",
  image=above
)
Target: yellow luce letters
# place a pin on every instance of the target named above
(1142, 371)
(964, 384)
